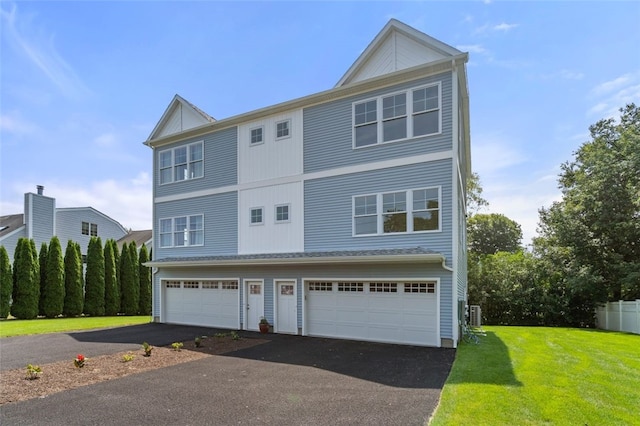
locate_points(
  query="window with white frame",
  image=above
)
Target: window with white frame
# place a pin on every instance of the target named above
(282, 213)
(90, 229)
(256, 216)
(182, 231)
(416, 210)
(399, 116)
(181, 163)
(283, 129)
(257, 135)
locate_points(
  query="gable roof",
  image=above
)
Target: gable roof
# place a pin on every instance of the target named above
(139, 237)
(397, 46)
(180, 115)
(10, 223)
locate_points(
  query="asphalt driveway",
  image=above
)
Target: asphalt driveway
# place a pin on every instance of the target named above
(287, 380)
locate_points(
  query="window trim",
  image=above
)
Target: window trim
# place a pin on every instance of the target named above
(251, 143)
(409, 116)
(173, 231)
(275, 213)
(251, 222)
(409, 212)
(275, 128)
(172, 167)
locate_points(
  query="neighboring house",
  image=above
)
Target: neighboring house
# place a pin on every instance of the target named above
(138, 237)
(41, 220)
(339, 214)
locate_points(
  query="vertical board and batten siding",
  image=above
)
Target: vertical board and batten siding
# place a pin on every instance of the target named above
(220, 225)
(328, 130)
(410, 271)
(181, 119)
(272, 158)
(39, 216)
(271, 237)
(69, 226)
(328, 221)
(220, 164)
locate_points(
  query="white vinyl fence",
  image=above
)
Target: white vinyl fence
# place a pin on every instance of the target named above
(620, 316)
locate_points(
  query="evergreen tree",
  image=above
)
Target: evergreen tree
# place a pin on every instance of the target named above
(43, 276)
(111, 290)
(130, 283)
(27, 281)
(53, 292)
(6, 283)
(74, 291)
(145, 283)
(94, 279)
(116, 261)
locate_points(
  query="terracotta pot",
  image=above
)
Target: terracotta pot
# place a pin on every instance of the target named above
(264, 328)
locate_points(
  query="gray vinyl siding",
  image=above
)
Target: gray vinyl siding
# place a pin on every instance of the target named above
(69, 227)
(328, 208)
(39, 217)
(220, 225)
(328, 131)
(338, 271)
(220, 164)
(10, 242)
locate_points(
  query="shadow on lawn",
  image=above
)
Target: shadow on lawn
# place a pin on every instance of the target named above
(487, 362)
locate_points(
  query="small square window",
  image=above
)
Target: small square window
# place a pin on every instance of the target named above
(283, 129)
(256, 136)
(85, 228)
(94, 230)
(257, 216)
(282, 213)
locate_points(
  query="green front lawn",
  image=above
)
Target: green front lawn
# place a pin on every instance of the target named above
(540, 375)
(14, 327)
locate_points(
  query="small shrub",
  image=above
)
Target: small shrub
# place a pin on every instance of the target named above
(220, 335)
(33, 371)
(127, 357)
(147, 348)
(177, 346)
(198, 341)
(79, 361)
(234, 335)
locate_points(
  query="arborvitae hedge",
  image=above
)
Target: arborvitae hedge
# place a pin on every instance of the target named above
(6, 283)
(133, 251)
(129, 283)
(27, 281)
(53, 298)
(111, 288)
(73, 286)
(145, 283)
(43, 276)
(94, 279)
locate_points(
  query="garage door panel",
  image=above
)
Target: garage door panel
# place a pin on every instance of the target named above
(201, 303)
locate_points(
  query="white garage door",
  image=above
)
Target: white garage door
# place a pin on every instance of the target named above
(209, 303)
(394, 312)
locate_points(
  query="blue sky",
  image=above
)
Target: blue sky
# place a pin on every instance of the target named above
(84, 83)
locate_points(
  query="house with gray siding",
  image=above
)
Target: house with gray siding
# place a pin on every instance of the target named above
(42, 220)
(340, 214)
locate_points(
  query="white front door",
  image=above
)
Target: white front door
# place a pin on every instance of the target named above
(255, 303)
(286, 318)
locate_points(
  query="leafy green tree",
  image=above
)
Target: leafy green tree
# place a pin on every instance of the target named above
(43, 276)
(475, 202)
(94, 279)
(491, 233)
(130, 283)
(145, 283)
(73, 284)
(27, 281)
(6, 283)
(597, 222)
(53, 297)
(111, 288)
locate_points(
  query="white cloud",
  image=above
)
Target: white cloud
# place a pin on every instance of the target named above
(106, 140)
(571, 75)
(504, 27)
(13, 123)
(491, 154)
(611, 85)
(472, 48)
(28, 41)
(614, 94)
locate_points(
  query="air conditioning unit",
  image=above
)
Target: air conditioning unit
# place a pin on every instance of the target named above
(475, 316)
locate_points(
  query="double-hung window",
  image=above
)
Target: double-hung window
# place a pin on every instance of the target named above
(181, 163)
(398, 116)
(182, 231)
(416, 210)
(90, 229)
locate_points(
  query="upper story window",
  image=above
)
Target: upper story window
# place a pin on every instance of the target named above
(257, 135)
(90, 229)
(256, 216)
(395, 117)
(182, 231)
(282, 213)
(283, 129)
(416, 210)
(181, 163)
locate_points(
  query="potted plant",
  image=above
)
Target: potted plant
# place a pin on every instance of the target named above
(264, 325)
